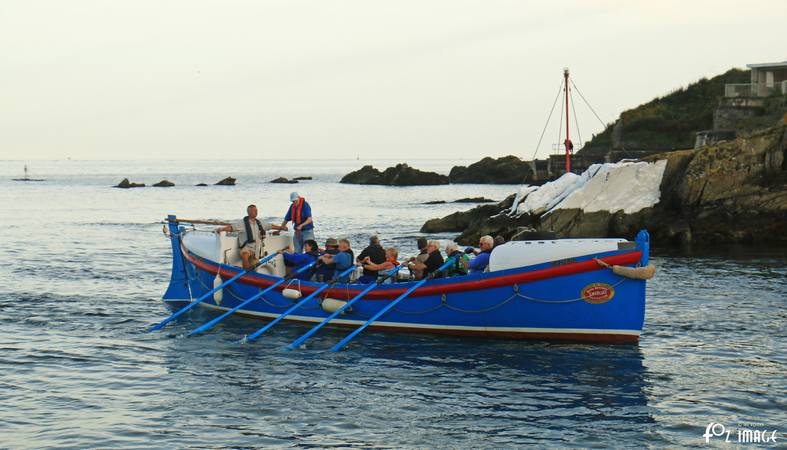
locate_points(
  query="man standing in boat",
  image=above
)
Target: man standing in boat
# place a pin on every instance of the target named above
(300, 214)
(251, 232)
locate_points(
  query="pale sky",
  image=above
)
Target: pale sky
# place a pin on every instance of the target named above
(170, 79)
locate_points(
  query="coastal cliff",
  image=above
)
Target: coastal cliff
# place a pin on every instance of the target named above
(730, 192)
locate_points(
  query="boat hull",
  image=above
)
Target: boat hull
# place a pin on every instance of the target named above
(574, 300)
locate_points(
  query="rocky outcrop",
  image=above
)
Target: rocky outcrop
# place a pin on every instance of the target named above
(302, 178)
(283, 180)
(505, 170)
(229, 181)
(125, 184)
(731, 192)
(400, 175)
(164, 183)
(200, 185)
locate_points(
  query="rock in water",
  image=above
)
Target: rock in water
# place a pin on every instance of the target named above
(283, 180)
(164, 183)
(504, 170)
(400, 175)
(201, 184)
(229, 181)
(435, 202)
(125, 184)
(302, 178)
(474, 200)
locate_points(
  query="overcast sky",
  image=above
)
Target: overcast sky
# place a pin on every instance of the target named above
(338, 79)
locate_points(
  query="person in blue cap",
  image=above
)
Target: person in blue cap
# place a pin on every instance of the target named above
(300, 214)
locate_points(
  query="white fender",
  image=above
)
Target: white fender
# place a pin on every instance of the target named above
(218, 296)
(291, 293)
(331, 305)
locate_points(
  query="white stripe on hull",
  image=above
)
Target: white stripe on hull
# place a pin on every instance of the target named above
(419, 326)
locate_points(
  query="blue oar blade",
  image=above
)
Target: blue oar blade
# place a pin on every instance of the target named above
(387, 308)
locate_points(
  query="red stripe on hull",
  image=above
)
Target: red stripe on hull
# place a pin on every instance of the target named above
(462, 286)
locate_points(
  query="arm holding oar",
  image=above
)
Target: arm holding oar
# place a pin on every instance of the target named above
(209, 293)
(349, 303)
(325, 286)
(389, 306)
(213, 322)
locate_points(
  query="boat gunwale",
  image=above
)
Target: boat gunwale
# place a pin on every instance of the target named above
(488, 280)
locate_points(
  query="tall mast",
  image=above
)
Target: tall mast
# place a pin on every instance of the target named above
(567, 143)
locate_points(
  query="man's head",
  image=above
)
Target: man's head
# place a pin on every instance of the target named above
(374, 240)
(251, 211)
(392, 253)
(309, 245)
(344, 245)
(433, 246)
(499, 240)
(486, 243)
(331, 243)
(421, 243)
(294, 196)
(451, 247)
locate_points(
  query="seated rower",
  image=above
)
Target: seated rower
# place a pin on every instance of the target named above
(376, 255)
(391, 256)
(481, 261)
(295, 261)
(341, 261)
(423, 253)
(432, 262)
(324, 272)
(459, 267)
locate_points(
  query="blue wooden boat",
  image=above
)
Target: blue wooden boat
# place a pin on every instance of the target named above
(564, 295)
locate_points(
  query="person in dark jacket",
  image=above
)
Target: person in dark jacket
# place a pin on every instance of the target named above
(324, 271)
(433, 261)
(376, 255)
(297, 260)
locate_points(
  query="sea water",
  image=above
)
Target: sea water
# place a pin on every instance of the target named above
(84, 266)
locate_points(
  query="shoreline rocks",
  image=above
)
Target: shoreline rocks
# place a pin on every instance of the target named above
(399, 175)
(728, 193)
(125, 184)
(302, 178)
(164, 183)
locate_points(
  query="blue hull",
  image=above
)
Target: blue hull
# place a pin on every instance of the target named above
(577, 301)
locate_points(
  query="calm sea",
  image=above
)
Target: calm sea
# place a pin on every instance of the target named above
(84, 266)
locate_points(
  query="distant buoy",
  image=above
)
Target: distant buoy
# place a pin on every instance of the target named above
(218, 296)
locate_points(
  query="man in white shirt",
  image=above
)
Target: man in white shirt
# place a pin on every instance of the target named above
(251, 232)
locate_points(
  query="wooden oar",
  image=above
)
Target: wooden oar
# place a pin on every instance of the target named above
(197, 222)
(208, 294)
(349, 303)
(325, 286)
(213, 322)
(391, 305)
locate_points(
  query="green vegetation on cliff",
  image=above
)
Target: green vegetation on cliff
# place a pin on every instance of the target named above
(667, 122)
